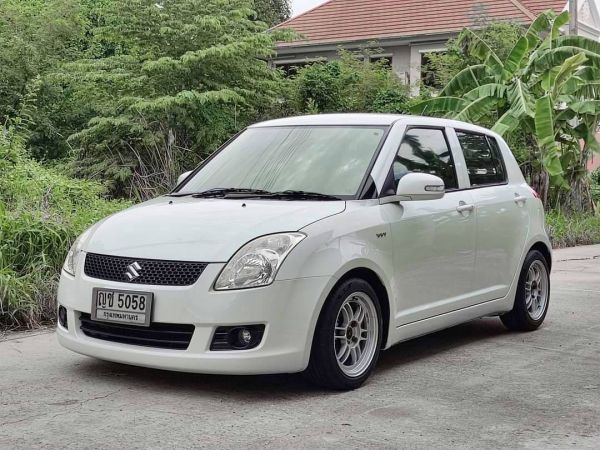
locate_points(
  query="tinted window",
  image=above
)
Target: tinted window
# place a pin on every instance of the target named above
(483, 158)
(426, 150)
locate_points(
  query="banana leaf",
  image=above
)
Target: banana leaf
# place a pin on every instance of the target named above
(515, 58)
(591, 107)
(565, 72)
(435, 105)
(507, 123)
(520, 99)
(555, 57)
(580, 42)
(465, 80)
(480, 49)
(476, 109)
(541, 23)
(487, 90)
(545, 135)
(561, 20)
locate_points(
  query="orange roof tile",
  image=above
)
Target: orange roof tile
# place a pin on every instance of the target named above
(359, 20)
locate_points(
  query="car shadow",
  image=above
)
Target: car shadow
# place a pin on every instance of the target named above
(440, 342)
(279, 387)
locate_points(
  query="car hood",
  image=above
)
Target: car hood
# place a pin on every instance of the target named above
(204, 230)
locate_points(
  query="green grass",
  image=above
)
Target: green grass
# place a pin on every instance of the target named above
(570, 231)
(42, 211)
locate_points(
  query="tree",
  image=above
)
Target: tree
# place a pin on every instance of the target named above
(547, 86)
(183, 77)
(273, 12)
(35, 36)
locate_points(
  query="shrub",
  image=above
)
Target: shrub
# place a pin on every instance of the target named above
(348, 84)
(572, 230)
(41, 213)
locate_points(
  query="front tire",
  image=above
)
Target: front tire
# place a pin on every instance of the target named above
(347, 338)
(532, 297)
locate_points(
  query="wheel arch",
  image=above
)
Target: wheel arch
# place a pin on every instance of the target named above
(371, 277)
(543, 248)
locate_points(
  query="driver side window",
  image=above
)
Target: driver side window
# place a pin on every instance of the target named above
(426, 150)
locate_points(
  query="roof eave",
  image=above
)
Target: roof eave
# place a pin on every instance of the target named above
(385, 41)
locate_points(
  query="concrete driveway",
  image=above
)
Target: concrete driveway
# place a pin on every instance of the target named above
(472, 386)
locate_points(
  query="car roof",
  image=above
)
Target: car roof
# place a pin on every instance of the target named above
(354, 119)
(333, 119)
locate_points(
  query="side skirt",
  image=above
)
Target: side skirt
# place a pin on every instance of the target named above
(450, 319)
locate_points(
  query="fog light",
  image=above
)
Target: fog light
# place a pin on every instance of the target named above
(62, 317)
(243, 337)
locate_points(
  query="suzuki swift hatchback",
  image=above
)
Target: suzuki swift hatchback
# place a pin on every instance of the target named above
(311, 244)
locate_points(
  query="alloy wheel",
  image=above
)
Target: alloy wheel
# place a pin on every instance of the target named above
(355, 335)
(536, 290)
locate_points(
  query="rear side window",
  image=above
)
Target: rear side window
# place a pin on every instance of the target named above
(483, 158)
(426, 150)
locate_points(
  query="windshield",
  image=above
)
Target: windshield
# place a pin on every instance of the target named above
(330, 160)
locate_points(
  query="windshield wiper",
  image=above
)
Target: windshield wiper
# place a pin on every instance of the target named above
(219, 192)
(233, 193)
(300, 195)
(286, 195)
(224, 192)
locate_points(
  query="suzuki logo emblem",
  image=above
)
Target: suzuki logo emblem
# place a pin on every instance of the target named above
(133, 271)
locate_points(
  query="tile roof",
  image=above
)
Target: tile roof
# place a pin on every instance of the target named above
(356, 20)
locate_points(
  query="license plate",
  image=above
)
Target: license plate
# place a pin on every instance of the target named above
(129, 307)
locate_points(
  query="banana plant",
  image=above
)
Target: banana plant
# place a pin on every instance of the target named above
(548, 87)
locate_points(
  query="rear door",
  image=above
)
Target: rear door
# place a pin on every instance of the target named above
(501, 215)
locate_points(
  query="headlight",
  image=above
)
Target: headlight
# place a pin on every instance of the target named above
(73, 255)
(256, 263)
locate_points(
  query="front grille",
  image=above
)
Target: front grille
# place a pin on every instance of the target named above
(149, 271)
(158, 335)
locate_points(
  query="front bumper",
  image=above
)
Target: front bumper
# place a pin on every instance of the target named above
(288, 308)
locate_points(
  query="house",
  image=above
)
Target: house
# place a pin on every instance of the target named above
(406, 30)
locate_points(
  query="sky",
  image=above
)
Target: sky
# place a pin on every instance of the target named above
(299, 6)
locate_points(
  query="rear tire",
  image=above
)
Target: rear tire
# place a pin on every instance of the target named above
(532, 297)
(347, 338)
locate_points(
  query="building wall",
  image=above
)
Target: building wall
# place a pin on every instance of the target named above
(406, 58)
(401, 62)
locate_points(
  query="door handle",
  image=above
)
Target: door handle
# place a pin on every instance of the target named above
(520, 198)
(463, 207)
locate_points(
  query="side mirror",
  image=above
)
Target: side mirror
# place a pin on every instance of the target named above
(183, 177)
(416, 187)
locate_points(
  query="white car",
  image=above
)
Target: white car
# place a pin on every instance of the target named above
(311, 244)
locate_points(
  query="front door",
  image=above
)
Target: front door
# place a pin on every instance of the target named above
(434, 241)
